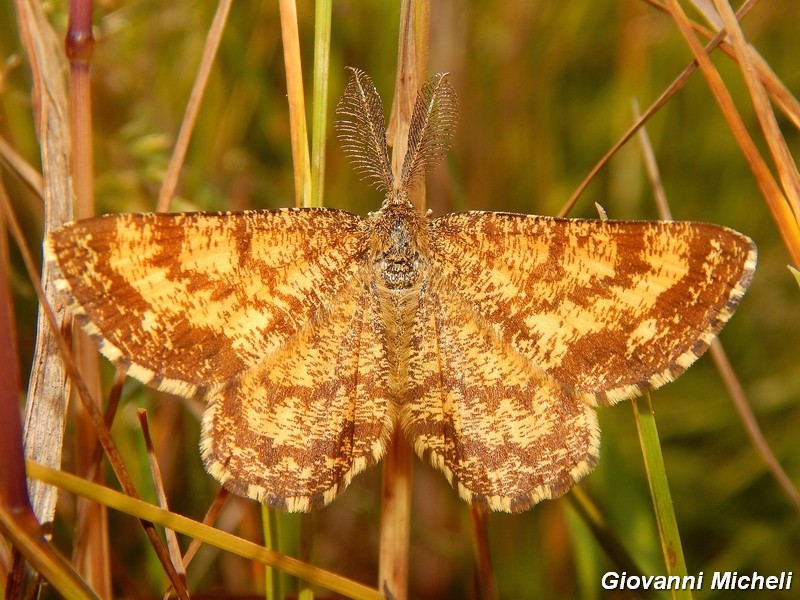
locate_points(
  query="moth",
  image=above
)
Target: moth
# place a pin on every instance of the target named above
(489, 338)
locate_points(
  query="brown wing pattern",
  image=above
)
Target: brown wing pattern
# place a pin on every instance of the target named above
(294, 431)
(187, 301)
(607, 308)
(504, 433)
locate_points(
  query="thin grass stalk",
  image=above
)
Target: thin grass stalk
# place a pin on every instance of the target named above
(48, 388)
(395, 518)
(605, 536)
(80, 47)
(21, 168)
(319, 120)
(784, 99)
(193, 106)
(412, 70)
(158, 482)
(486, 585)
(91, 554)
(651, 166)
(786, 167)
(671, 547)
(209, 519)
(648, 435)
(136, 507)
(297, 104)
(269, 531)
(309, 174)
(781, 212)
(659, 102)
(739, 399)
(13, 483)
(12, 467)
(306, 592)
(398, 462)
(112, 403)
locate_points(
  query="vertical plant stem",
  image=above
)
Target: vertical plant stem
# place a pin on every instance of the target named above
(270, 533)
(397, 466)
(48, 387)
(91, 555)
(14, 496)
(297, 103)
(479, 516)
(659, 490)
(306, 592)
(12, 467)
(313, 182)
(395, 520)
(319, 126)
(80, 47)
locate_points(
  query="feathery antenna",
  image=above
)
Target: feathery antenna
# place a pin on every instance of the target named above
(361, 130)
(432, 125)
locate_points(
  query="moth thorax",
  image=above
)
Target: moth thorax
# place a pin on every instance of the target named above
(398, 263)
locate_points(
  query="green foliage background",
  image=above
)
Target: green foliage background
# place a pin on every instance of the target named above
(545, 88)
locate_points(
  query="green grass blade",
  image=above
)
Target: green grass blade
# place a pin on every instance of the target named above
(659, 490)
(319, 122)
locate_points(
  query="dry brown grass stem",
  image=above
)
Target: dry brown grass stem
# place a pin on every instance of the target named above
(784, 163)
(297, 104)
(209, 519)
(91, 555)
(18, 165)
(397, 467)
(193, 106)
(158, 481)
(776, 201)
(742, 406)
(783, 98)
(46, 408)
(486, 585)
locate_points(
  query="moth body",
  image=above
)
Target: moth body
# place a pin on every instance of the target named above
(487, 338)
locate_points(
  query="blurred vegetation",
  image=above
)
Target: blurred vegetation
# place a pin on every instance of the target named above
(545, 88)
